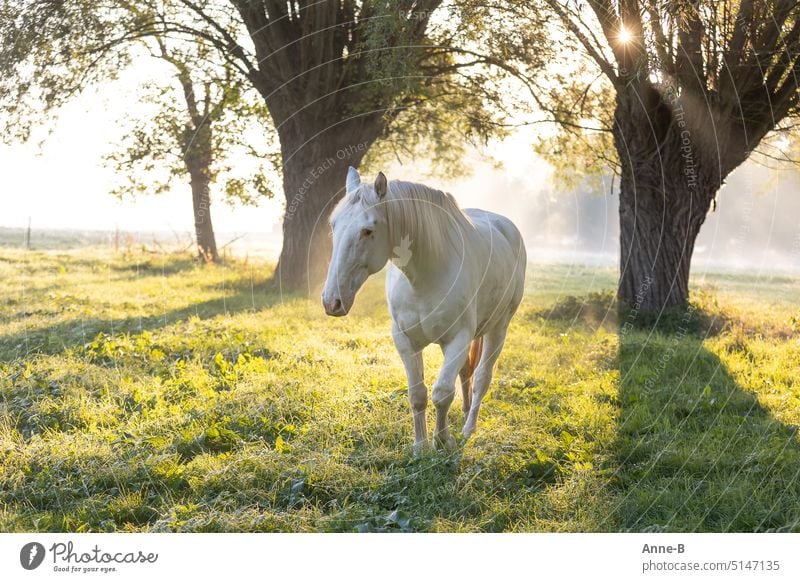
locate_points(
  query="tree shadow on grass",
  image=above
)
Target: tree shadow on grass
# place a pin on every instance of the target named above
(694, 447)
(695, 450)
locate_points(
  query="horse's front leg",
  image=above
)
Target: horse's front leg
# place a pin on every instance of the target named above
(444, 390)
(417, 391)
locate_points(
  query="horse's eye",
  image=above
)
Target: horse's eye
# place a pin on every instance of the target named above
(365, 232)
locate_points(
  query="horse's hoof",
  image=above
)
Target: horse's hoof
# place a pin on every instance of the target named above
(467, 431)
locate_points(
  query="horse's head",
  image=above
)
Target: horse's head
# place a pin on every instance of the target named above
(360, 242)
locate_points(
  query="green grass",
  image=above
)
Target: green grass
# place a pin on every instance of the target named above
(143, 392)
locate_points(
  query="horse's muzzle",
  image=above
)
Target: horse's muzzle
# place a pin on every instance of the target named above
(335, 307)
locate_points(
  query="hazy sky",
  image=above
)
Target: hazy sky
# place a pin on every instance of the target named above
(65, 186)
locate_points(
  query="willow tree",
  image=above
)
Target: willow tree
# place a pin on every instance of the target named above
(691, 89)
(335, 76)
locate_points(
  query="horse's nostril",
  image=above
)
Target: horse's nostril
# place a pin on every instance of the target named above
(337, 305)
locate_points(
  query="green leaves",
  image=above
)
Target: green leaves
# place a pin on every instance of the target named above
(50, 51)
(395, 520)
(203, 116)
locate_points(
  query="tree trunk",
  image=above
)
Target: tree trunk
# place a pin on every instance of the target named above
(671, 173)
(313, 181)
(201, 204)
(658, 228)
(198, 157)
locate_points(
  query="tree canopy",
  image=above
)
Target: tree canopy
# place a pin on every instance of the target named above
(733, 65)
(194, 98)
(334, 77)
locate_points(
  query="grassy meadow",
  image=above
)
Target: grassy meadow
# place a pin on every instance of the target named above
(145, 392)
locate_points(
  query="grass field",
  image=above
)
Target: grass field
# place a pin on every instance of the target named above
(143, 392)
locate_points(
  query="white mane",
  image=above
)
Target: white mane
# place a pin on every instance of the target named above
(431, 219)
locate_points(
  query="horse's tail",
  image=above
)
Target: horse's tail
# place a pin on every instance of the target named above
(468, 370)
(475, 349)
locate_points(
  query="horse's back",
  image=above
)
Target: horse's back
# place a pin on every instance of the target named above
(489, 224)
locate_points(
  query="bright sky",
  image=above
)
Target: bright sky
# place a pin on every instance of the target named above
(64, 184)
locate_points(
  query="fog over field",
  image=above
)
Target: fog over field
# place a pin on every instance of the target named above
(756, 224)
(755, 227)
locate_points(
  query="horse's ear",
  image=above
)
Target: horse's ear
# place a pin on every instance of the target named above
(380, 185)
(353, 180)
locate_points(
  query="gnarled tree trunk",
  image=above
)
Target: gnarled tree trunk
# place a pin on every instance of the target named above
(657, 236)
(671, 171)
(698, 85)
(332, 75)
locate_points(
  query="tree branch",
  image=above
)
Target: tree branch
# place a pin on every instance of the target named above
(593, 51)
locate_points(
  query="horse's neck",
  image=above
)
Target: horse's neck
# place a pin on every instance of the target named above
(453, 244)
(419, 271)
(426, 272)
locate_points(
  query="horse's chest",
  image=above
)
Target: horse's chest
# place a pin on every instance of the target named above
(434, 314)
(427, 322)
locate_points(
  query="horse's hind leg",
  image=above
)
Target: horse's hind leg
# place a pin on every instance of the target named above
(492, 346)
(465, 376)
(467, 371)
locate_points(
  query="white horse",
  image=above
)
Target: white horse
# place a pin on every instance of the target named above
(456, 279)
